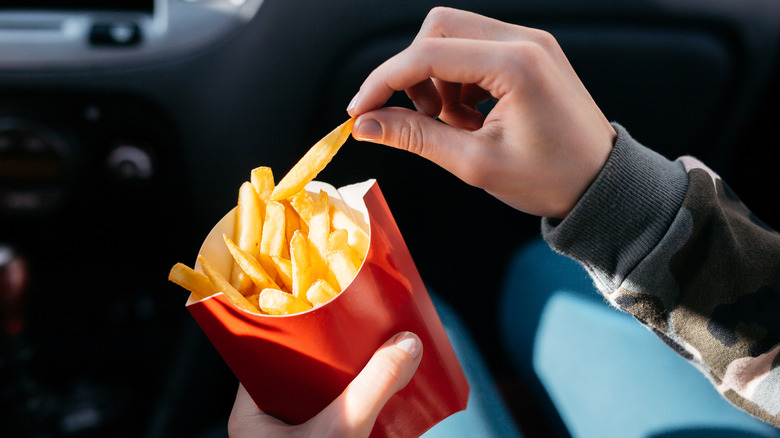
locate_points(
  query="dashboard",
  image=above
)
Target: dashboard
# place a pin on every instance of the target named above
(127, 126)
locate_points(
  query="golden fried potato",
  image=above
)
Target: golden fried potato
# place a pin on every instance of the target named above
(358, 239)
(195, 282)
(262, 179)
(342, 267)
(277, 302)
(320, 293)
(250, 266)
(301, 265)
(220, 284)
(312, 162)
(248, 232)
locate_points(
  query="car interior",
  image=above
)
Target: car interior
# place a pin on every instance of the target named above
(127, 126)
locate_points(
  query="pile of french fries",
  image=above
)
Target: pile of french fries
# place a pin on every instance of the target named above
(291, 252)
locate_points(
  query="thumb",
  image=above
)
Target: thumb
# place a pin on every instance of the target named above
(415, 132)
(354, 412)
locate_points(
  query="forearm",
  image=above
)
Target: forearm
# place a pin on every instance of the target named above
(670, 244)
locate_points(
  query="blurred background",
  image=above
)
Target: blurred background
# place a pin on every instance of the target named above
(126, 128)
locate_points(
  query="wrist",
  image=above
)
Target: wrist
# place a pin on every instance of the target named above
(633, 200)
(587, 169)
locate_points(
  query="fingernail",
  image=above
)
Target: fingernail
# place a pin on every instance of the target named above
(409, 343)
(369, 130)
(353, 102)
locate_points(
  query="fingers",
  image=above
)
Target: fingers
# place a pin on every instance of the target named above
(445, 145)
(451, 60)
(471, 95)
(443, 22)
(459, 105)
(537, 148)
(425, 97)
(467, 59)
(246, 419)
(496, 68)
(354, 412)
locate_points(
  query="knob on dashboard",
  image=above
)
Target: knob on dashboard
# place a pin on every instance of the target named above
(130, 162)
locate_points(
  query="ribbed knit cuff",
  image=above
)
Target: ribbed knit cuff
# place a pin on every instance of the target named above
(624, 213)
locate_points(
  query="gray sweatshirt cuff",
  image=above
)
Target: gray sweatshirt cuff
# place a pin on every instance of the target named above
(624, 213)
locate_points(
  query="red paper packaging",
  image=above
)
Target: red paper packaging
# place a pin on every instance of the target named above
(293, 366)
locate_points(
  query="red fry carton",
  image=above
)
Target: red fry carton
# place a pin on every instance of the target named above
(293, 366)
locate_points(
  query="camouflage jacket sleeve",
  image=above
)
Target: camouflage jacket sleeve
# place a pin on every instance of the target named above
(671, 244)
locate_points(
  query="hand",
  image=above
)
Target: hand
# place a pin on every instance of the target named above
(538, 149)
(354, 412)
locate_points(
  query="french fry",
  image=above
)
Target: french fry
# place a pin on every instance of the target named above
(220, 284)
(292, 221)
(195, 282)
(262, 179)
(302, 203)
(301, 266)
(273, 241)
(277, 302)
(339, 240)
(250, 266)
(284, 271)
(342, 267)
(320, 293)
(319, 224)
(248, 232)
(319, 229)
(312, 162)
(358, 238)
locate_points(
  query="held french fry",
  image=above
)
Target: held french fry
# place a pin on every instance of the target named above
(195, 282)
(312, 162)
(277, 302)
(250, 266)
(248, 232)
(220, 284)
